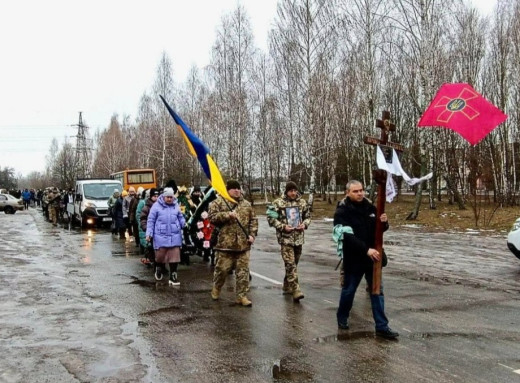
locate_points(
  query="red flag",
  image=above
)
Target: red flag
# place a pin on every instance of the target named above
(461, 108)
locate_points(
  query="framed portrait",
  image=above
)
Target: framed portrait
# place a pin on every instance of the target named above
(293, 216)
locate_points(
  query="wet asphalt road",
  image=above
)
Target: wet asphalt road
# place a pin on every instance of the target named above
(78, 306)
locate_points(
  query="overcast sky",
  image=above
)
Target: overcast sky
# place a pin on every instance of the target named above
(60, 57)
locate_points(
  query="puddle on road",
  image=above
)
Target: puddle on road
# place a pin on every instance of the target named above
(143, 283)
(430, 335)
(174, 308)
(291, 376)
(287, 370)
(124, 253)
(345, 336)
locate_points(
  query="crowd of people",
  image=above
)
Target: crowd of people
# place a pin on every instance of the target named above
(169, 223)
(52, 200)
(30, 197)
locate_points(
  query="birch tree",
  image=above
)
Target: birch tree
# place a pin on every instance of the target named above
(305, 29)
(110, 144)
(63, 170)
(231, 67)
(423, 47)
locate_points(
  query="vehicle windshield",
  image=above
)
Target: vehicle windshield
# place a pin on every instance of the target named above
(100, 191)
(9, 196)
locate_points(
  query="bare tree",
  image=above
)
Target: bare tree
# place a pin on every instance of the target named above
(423, 47)
(231, 71)
(63, 170)
(304, 39)
(110, 146)
(51, 161)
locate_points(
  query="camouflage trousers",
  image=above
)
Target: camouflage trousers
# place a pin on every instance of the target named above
(291, 256)
(225, 262)
(53, 216)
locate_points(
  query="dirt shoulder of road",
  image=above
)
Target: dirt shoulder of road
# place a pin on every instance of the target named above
(484, 216)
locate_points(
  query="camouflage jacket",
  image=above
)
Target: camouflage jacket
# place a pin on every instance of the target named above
(231, 237)
(278, 219)
(53, 198)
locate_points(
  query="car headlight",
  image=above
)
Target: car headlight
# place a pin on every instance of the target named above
(516, 225)
(90, 204)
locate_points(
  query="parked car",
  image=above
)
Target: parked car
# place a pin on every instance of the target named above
(10, 204)
(513, 239)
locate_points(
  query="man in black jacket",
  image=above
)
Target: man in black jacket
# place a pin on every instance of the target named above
(359, 253)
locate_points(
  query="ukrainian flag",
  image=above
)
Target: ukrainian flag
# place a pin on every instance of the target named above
(199, 149)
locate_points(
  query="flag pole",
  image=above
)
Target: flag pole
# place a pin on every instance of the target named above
(239, 224)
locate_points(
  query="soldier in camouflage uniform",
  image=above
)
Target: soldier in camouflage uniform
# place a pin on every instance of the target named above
(233, 245)
(45, 203)
(53, 199)
(290, 234)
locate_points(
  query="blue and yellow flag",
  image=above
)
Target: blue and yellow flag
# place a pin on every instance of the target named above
(199, 149)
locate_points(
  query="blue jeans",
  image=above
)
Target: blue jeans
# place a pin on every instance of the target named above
(346, 300)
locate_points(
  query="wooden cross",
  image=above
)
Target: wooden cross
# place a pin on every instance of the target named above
(380, 177)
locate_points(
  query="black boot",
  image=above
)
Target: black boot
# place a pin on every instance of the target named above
(158, 272)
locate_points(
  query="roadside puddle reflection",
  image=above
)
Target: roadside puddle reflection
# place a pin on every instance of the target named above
(344, 336)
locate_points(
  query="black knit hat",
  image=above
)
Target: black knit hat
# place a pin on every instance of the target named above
(232, 184)
(172, 184)
(154, 191)
(290, 186)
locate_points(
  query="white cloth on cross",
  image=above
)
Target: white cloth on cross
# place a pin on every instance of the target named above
(394, 167)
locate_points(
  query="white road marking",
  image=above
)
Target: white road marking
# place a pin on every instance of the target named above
(405, 329)
(265, 278)
(510, 368)
(329, 301)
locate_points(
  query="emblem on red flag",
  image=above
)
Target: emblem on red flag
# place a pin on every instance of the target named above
(461, 108)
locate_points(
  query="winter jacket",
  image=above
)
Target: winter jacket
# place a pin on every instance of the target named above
(143, 216)
(281, 206)
(133, 208)
(138, 212)
(165, 223)
(117, 214)
(26, 195)
(112, 200)
(126, 205)
(231, 238)
(361, 217)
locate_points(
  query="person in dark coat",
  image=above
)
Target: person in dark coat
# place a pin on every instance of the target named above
(143, 210)
(359, 254)
(119, 222)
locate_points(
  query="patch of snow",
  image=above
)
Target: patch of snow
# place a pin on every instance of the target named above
(413, 226)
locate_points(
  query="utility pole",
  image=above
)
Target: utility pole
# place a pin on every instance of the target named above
(82, 157)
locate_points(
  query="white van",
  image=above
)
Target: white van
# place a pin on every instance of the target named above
(91, 200)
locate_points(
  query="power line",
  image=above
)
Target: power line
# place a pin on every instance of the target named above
(33, 126)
